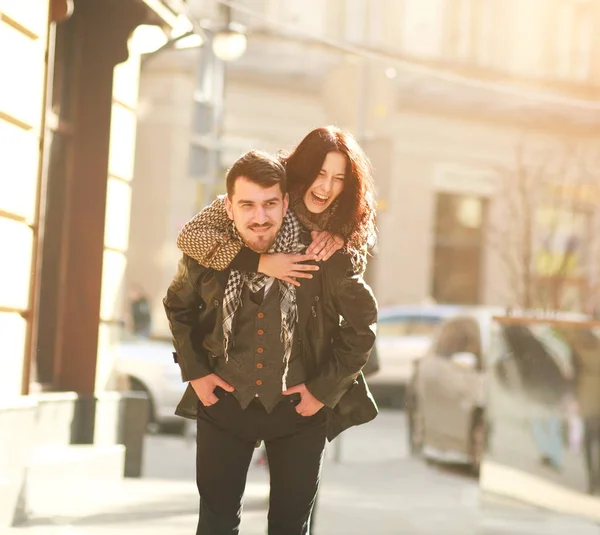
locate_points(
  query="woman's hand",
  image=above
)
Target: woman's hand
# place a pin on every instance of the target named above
(324, 244)
(287, 267)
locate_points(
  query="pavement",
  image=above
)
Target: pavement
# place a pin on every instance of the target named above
(376, 488)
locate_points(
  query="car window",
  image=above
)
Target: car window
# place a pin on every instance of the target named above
(556, 346)
(408, 325)
(451, 339)
(541, 363)
(457, 336)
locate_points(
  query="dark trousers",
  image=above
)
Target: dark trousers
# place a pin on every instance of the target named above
(226, 439)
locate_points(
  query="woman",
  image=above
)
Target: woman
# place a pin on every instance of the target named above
(331, 193)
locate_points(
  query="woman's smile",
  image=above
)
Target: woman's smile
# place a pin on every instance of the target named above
(328, 184)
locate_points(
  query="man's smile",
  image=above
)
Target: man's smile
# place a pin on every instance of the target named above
(260, 229)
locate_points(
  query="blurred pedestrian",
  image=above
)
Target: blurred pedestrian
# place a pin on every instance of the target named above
(139, 308)
(267, 360)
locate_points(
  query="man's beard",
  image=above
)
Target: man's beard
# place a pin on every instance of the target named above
(260, 243)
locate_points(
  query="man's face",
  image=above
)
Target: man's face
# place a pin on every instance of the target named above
(257, 213)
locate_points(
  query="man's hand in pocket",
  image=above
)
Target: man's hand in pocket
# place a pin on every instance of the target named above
(205, 388)
(309, 404)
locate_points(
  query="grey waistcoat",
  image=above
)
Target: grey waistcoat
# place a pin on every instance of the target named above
(255, 364)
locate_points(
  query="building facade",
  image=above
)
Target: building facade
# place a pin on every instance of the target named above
(445, 101)
(68, 109)
(68, 126)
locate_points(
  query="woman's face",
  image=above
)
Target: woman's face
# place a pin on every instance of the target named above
(328, 185)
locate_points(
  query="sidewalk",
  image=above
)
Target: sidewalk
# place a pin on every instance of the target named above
(376, 490)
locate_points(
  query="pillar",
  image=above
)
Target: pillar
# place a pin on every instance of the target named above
(103, 28)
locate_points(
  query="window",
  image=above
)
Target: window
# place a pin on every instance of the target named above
(408, 325)
(203, 118)
(63, 73)
(458, 248)
(485, 32)
(459, 23)
(452, 339)
(562, 258)
(543, 364)
(555, 346)
(470, 30)
(459, 336)
(199, 161)
(422, 27)
(376, 23)
(59, 150)
(307, 16)
(356, 16)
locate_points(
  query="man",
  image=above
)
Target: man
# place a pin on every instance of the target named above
(268, 361)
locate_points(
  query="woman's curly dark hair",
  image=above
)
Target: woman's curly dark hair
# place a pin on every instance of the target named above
(354, 215)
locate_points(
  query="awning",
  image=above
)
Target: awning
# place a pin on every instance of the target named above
(164, 13)
(60, 10)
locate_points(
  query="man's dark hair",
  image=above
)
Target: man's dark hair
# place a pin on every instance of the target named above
(258, 167)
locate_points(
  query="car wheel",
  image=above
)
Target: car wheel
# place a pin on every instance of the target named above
(477, 442)
(152, 427)
(416, 430)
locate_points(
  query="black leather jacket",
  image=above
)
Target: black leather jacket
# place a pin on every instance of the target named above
(336, 317)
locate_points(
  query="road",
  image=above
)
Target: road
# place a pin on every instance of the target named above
(376, 489)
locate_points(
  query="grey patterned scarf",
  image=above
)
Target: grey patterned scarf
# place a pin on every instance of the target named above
(288, 241)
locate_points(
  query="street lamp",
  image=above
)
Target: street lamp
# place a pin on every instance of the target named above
(221, 42)
(230, 42)
(189, 40)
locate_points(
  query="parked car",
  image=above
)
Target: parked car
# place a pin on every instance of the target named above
(149, 366)
(446, 396)
(404, 333)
